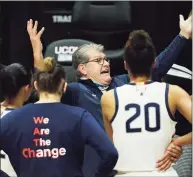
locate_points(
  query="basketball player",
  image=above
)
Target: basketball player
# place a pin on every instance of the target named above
(47, 139)
(139, 116)
(15, 87)
(15, 83)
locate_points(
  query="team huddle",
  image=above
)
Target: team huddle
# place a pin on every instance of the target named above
(125, 129)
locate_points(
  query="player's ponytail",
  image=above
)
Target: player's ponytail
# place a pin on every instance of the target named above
(139, 52)
(48, 79)
(49, 64)
(139, 40)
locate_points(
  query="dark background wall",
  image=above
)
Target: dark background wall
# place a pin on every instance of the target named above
(160, 19)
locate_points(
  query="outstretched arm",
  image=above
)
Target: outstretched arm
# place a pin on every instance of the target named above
(167, 58)
(183, 104)
(35, 38)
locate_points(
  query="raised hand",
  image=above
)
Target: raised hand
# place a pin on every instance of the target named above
(185, 26)
(35, 38)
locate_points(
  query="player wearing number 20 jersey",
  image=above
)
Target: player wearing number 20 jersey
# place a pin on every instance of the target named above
(142, 125)
(138, 117)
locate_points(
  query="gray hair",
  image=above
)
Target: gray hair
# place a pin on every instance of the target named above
(80, 56)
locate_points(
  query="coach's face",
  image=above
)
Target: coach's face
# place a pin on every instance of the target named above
(98, 68)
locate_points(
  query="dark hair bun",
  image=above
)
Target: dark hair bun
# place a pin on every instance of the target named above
(139, 40)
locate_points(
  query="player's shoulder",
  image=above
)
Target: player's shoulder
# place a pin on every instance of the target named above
(17, 112)
(71, 111)
(107, 97)
(176, 90)
(157, 85)
(109, 93)
(175, 87)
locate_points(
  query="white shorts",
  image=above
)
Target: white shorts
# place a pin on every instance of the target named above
(170, 172)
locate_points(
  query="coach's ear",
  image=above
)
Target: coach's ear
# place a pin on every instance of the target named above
(36, 85)
(82, 69)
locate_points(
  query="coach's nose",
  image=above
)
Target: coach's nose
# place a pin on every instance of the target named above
(106, 63)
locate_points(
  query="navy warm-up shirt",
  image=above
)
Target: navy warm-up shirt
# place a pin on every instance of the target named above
(47, 140)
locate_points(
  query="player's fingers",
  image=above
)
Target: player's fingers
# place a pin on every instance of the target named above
(164, 157)
(181, 18)
(178, 148)
(175, 151)
(35, 27)
(162, 162)
(29, 26)
(41, 32)
(165, 166)
(174, 154)
(162, 166)
(173, 160)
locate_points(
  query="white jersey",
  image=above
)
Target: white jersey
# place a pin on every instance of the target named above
(142, 125)
(5, 163)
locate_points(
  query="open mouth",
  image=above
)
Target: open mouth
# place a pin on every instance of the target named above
(105, 72)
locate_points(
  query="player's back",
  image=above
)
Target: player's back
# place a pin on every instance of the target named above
(142, 125)
(45, 140)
